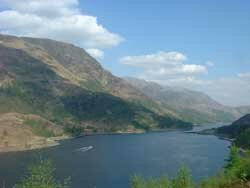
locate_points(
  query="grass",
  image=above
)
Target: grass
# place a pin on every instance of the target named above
(39, 128)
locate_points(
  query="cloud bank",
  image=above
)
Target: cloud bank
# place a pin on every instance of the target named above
(98, 54)
(58, 19)
(164, 66)
(171, 68)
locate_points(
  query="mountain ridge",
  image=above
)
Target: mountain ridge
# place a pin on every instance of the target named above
(192, 106)
(65, 85)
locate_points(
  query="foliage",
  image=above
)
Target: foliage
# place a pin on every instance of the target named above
(74, 131)
(182, 180)
(234, 158)
(39, 128)
(140, 182)
(41, 175)
(243, 140)
(79, 105)
(235, 174)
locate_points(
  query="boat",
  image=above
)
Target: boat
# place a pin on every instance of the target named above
(84, 149)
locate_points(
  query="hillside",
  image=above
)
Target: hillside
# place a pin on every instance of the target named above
(243, 109)
(22, 132)
(63, 84)
(238, 130)
(237, 127)
(190, 105)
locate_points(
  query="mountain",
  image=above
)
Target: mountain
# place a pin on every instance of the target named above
(189, 105)
(243, 109)
(66, 86)
(238, 130)
(27, 131)
(237, 127)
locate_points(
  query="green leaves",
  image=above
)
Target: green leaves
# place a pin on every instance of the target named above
(41, 175)
(243, 140)
(235, 175)
(39, 128)
(74, 131)
(182, 180)
(140, 182)
(234, 158)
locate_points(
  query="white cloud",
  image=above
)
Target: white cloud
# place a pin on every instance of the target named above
(95, 53)
(163, 66)
(45, 8)
(170, 68)
(153, 60)
(58, 19)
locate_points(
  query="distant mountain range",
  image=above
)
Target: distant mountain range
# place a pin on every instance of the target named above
(66, 86)
(191, 106)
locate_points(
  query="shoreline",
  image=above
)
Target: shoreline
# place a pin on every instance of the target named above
(219, 136)
(45, 143)
(55, 141)
(213, 133)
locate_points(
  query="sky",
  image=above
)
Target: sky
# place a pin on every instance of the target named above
(199, 45)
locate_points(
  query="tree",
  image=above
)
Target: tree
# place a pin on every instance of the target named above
(234, 158)
(183, 179)
(41, 175)
(138, 182)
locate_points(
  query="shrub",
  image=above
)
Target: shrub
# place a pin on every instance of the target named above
(41, 175)
(182, 180)
(74, 131)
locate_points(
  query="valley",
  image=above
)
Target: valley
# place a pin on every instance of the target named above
(124, 94)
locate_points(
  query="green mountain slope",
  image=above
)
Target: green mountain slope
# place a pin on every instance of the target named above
(190, 105)
(65, 85)
(239, 131)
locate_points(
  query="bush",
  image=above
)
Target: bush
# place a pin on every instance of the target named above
(41, 175)
(140, 182)
(243, 140)
(235, 174)
(74, 131)
(182, 180)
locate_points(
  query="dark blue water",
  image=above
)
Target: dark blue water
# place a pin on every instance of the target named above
(115, 158)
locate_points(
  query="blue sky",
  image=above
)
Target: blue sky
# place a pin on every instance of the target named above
(200, 45)
(203, 30)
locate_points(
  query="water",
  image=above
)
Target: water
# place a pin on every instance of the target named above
(112, 159)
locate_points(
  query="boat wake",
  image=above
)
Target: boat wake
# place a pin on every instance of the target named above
(84, 149)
